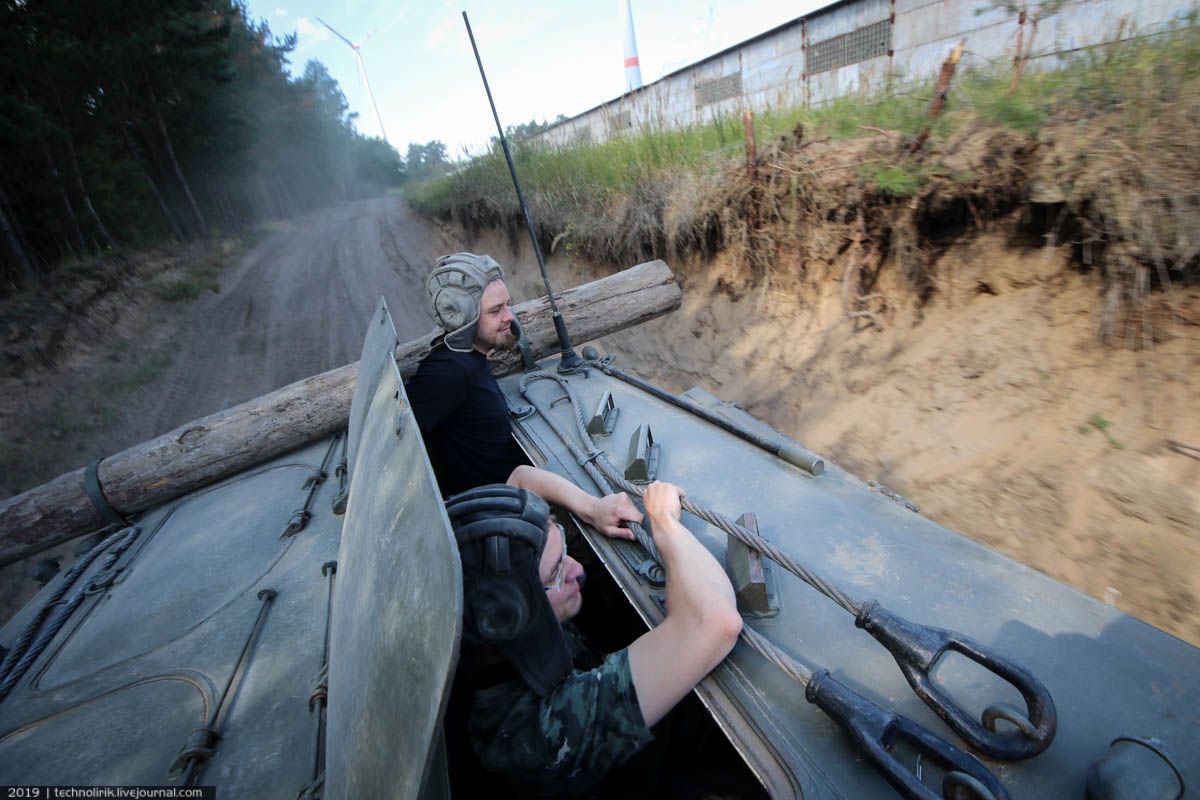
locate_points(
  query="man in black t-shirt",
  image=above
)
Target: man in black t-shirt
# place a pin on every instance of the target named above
(459, 407)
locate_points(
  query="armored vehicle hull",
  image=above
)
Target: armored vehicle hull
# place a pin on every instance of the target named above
(252, 637)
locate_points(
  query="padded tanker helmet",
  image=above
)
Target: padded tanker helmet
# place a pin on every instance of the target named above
(501, 533)
(455, 292)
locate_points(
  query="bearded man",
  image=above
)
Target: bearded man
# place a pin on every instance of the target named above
(462, 414)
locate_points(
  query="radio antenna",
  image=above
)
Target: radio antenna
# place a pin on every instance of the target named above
(570, 361)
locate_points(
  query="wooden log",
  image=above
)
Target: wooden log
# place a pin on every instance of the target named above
(203, 451)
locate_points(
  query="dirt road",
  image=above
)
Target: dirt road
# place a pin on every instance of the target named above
(295, 305)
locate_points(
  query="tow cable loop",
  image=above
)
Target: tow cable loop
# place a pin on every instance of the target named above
(50, 619)
(916, 648)
(95, 494)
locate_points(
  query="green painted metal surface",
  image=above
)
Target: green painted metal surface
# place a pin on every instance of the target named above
(1109, 674)
(139, 665)
(145, 659)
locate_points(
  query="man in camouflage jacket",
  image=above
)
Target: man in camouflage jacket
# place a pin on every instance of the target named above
(568, 717)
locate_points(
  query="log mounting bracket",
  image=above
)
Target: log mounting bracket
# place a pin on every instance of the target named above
(95, 493)
(644, 456)
(751, 576)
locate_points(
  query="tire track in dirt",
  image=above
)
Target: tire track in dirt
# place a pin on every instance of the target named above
(295, 305)
(298, 305)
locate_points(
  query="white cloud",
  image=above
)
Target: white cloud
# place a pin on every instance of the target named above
(311, 34)
(440, 34)
(281, 12)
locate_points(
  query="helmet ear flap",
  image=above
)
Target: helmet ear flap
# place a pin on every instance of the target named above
(502, 601)
(454, 306)
(500, 610)
(505, 603)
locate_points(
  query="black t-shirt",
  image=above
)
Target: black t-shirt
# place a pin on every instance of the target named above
(463, 418)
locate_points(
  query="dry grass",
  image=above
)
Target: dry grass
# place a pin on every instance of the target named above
(1101, 155)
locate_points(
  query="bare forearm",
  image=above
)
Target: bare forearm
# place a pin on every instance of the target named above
(609, 514)
(697, 586)
(701, 627)
(554, 489)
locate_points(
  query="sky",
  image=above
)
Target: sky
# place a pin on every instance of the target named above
(543, 57)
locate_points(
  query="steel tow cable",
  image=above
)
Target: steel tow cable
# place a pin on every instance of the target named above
(588, 462)
(874, 729)
(27, 648)
(916, 648)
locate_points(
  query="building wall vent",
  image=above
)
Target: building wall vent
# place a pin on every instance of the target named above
(718, 89)
(865, 43)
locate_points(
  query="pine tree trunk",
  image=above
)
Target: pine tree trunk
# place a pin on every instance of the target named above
(9, 230)
(72, 221)
(213, 206)
(105, 238)
(187, 191)
(176, 231)
(77, 176)
(56, 178)
(251, 203)
(222, 201)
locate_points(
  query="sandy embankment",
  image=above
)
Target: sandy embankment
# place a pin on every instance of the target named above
(994, 405)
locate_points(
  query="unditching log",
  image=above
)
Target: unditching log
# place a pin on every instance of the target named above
(208, 449)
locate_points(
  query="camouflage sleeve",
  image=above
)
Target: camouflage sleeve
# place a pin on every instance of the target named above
(566, 742)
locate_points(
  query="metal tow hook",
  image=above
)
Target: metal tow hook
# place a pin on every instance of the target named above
(917, 649)
(877, 731)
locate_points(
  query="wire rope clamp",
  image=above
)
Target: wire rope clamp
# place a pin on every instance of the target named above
(751, 576)
(917, 649)
(604, 418)
(644, 456)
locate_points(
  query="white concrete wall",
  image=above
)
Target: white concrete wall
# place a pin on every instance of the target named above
(772, 66)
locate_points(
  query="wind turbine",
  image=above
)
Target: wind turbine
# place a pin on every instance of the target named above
(362, 66)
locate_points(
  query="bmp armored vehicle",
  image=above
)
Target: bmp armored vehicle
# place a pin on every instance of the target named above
(292, 629)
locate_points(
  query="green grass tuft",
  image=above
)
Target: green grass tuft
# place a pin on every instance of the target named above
(1101, 424)
(893, 180)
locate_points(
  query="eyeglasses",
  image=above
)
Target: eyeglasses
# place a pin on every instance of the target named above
(560, 572)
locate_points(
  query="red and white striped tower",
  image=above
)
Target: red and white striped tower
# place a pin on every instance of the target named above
(633, 70)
